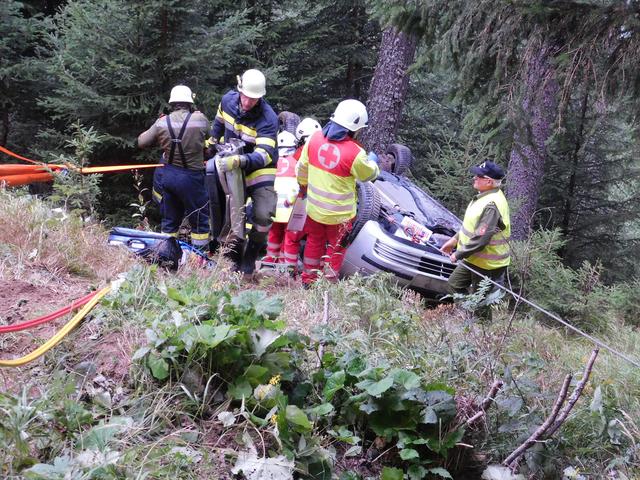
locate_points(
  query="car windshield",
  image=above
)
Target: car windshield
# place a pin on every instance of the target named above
(398, 191)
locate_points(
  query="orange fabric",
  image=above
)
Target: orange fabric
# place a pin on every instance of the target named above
(9, 152)
(25, 179)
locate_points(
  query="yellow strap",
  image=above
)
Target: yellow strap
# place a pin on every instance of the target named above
(53, 341)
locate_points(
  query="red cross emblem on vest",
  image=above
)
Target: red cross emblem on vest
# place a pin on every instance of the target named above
(329, 156)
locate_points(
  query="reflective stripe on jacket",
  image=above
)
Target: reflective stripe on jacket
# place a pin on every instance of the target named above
(496, 253)
(286, 187)
(330, 169)
(257, 128)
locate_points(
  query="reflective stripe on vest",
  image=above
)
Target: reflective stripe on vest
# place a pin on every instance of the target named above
(331, 197)
(496, 253)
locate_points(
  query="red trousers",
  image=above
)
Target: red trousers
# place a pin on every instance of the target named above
(324, 245)
(283, 245)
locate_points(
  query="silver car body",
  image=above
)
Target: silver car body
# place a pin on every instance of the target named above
(381, 246)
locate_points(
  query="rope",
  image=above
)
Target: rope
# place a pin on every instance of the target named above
(53, 341)
(553, 316)
(47, 318)
(15, 155)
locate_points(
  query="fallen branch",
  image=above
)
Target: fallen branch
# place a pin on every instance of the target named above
(512, 459)
(486, 403)
(325, 320)
(562, 416)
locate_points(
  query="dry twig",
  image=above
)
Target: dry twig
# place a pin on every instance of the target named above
(512, 459)
(325, 320)
(562, 416)
(486, 403)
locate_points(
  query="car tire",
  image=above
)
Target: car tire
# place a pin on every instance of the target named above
(288, 121)
(402, 158)
(368, 207)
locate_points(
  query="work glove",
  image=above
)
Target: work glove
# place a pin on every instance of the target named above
(291, 198)
(232, 162)
(373, 157)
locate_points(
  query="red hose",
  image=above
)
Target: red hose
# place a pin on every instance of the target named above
(47, 318)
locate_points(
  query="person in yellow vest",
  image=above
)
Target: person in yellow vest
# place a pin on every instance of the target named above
(330, 163)
(483, 239)
(283, 245)
(286, 187)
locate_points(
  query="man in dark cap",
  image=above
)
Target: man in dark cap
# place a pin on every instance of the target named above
(483, 240)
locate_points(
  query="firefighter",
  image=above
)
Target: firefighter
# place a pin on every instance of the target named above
(483, 240)
(330, 163)
(246, 115)
(180, 186)
(283, 245)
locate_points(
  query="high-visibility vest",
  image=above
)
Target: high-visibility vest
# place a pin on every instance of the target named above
(286, 187)
(333, 168)
(496, 253)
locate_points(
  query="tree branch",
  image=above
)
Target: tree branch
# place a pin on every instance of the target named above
(512, 459)
(486, 403)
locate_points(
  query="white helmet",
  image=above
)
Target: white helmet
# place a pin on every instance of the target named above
(351, 114)
(252, 83)
(307, 127)
(181, 94)
(286, 143)
(287, 139)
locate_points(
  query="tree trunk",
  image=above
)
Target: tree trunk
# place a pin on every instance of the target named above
(388, 89)
(529, 151)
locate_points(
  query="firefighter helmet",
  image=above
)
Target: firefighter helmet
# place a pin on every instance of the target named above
(252, 83)
(306, 128)
(351, 114)
(286, 139)
(181, 94)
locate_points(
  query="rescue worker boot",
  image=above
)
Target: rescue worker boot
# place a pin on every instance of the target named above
(233, 251)
(250, 256)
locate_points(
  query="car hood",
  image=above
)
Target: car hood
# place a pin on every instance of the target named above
(399, 191)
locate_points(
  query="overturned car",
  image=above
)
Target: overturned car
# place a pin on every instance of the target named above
(399, 229)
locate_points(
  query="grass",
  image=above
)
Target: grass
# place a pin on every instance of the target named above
(168, 434)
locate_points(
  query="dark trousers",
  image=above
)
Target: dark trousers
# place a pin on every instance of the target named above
(463, 281)
(263, 209)
(184, 195)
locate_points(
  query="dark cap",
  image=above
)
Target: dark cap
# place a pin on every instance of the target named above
(488, 169)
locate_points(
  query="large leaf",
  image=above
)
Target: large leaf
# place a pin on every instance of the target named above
(261, 339)
(254, 468)
(334, 383)
(298, 418)
(441, 472)
(158, 366)
(389, 473)
(98, 437)
(269, 306)
(407, 379)
(207, 335)
(176, 295)
(375, 389)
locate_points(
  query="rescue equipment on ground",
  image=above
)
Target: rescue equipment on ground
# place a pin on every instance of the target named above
(15, 175)
(53, 341)
(158, 247)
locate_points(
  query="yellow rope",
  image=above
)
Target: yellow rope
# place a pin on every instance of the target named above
(53, 341)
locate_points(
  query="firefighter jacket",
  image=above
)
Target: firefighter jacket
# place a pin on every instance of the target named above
(495, 253)
(330, 169)
(286, 187)
(181, 136)
(257, 128)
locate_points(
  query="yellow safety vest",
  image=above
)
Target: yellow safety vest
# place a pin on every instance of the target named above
(496, 253)
(330, 169)
(286, 186)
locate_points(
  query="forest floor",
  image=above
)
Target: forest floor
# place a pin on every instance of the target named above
(58, 407)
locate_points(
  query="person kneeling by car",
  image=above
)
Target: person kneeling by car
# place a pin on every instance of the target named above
(330, 163)
(483, 240)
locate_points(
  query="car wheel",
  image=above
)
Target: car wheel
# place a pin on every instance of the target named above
(402, 158)
(288, 121)
(368, 207)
